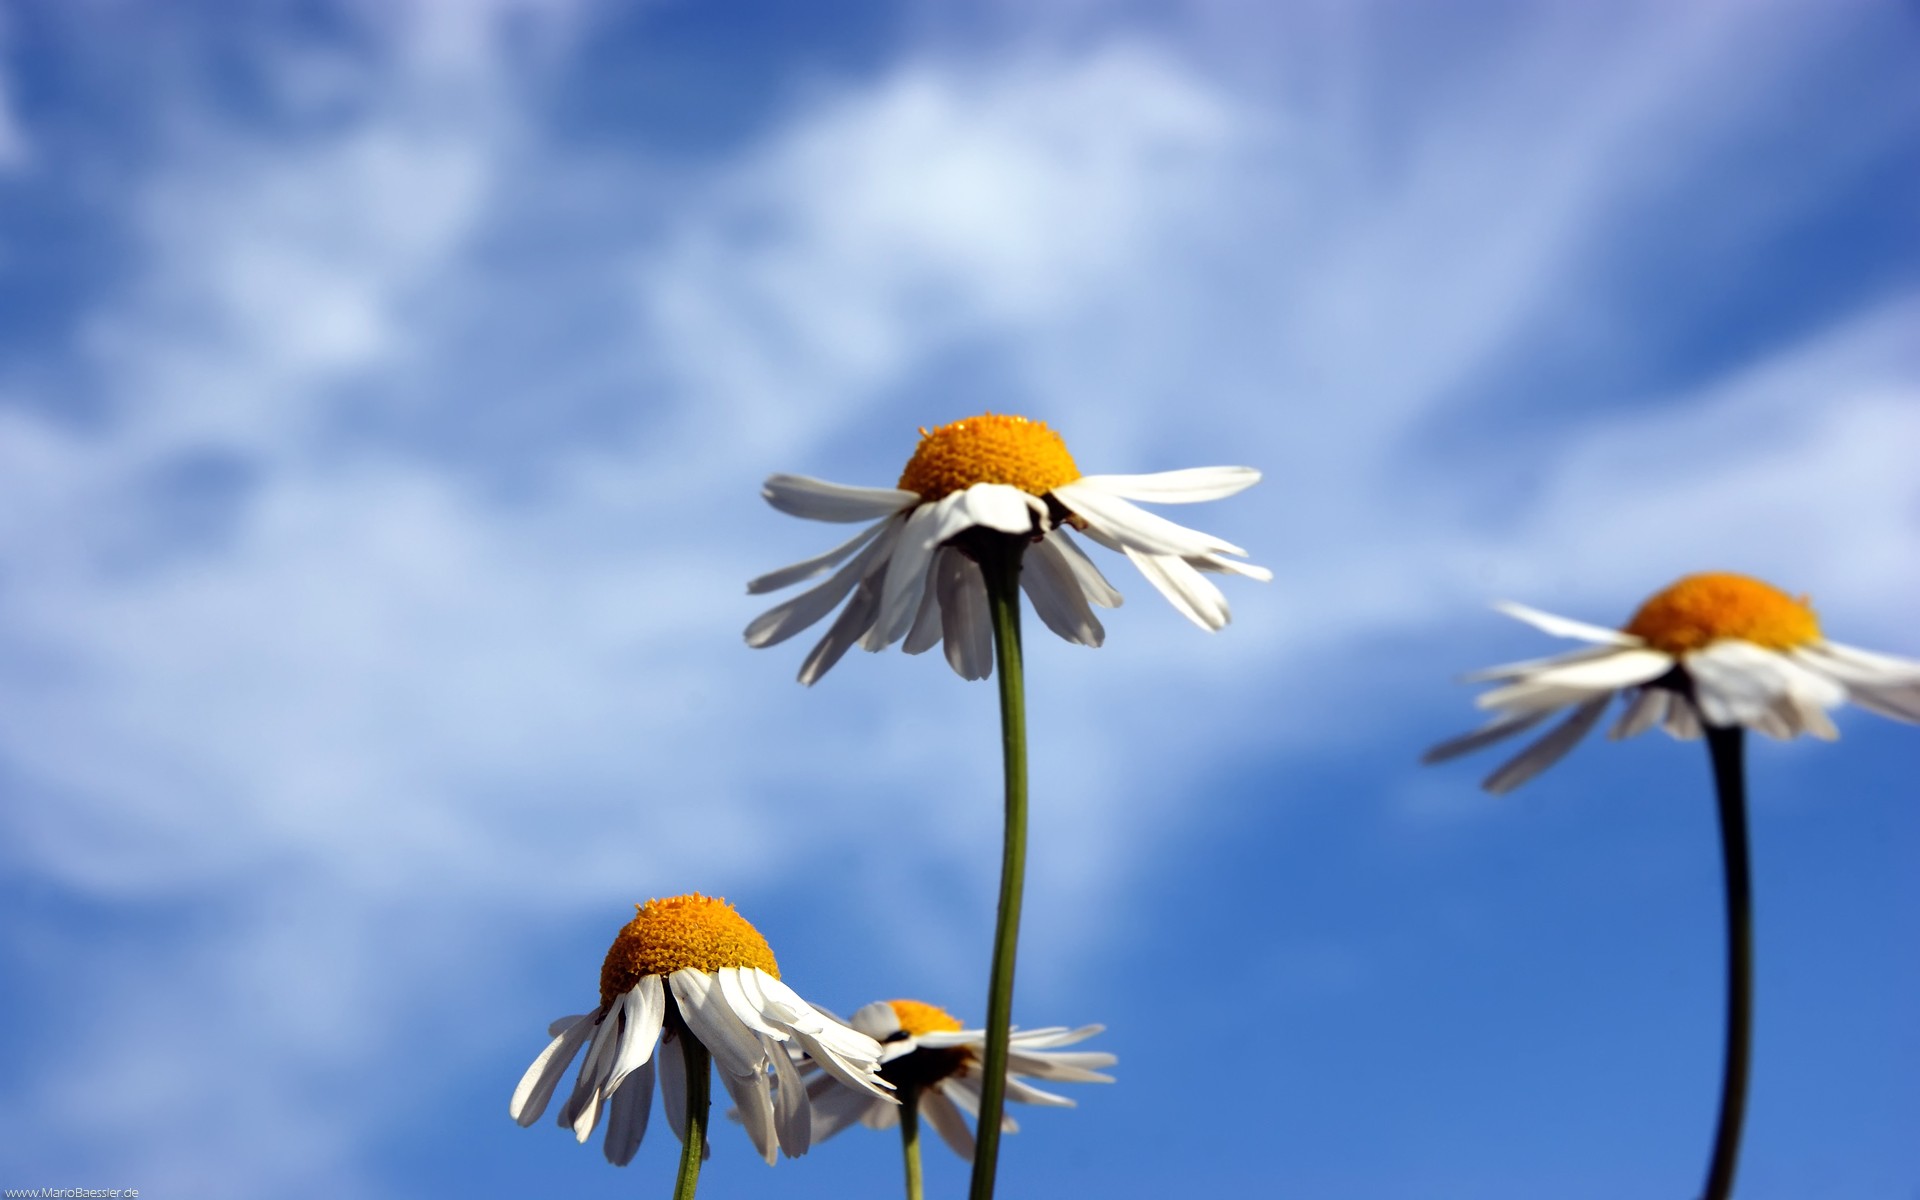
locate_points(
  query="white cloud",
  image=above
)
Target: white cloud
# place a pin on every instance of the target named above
(386, 688)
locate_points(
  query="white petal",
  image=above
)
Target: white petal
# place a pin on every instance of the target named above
(582, 1109)
(1026, 1093)
(1189, 591)
(1647, 709)
(1737, 683)
(1607, 672)
(836, 1106)
(818, 500)
(907, 575)
(999, 506)
(1549, 749)
(645, 1010)
(1566, 627)
(924, 634)
(1188, 486)
(1532, 666)
(673, 1091)
(704, 1007)
(627, 1112)
(848, 628)
(1092, 582)
(1877, 682)
(964, 620)
(1493, 731)
(773, 581)
(784, 620)
(793, 1115)
(754, 1107)
(1683, 719)
(560, 1025)
(947, 1121)
(1137, 528)
(536, 1086)
(877, 1020)
(1057, 599)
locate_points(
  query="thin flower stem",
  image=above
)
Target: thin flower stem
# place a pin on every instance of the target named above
(695, 1143)
(1724, 744)
(1000, 564)
(910, 1137)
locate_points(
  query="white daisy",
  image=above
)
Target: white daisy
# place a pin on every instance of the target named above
(1716, 648)
(692, 966)
(910, 578)
(927, 1052)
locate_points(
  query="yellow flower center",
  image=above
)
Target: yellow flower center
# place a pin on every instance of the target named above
(918, 1018)
(1702, 609)
(991, 448)
(701, 933)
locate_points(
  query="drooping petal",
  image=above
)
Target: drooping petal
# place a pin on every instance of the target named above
(784, 620)
(819, 564)
(847, 629)
(906, 575)
(536, 1086)
(1647, 709)
(1057, 599)
(582, 1108)
(1498, 729)
(1092, 582)
(793, 1115)
(946, 1120)
(1549, 749)
(703, 1006)
(836, 1106)
(924, 635)
(1558, 684)
(673, 1091)
(754, 1107)
(964, 620)
(628, 1110)
(643, 1013)
(1190, 592)
(818, 500)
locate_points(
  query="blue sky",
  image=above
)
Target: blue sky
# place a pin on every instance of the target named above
(384, 394)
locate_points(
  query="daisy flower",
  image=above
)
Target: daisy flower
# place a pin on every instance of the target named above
(1718, 649)
(929, 1055)
(911, 573)
(692, 967)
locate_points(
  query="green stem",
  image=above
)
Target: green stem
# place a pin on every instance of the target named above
(695, 1143)
(1724, 744)
(1000, 564)
(910, 1137)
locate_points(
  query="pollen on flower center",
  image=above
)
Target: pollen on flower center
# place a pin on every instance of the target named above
(917, 1017)
(1702, 609)
(990, 448)
(703, 933)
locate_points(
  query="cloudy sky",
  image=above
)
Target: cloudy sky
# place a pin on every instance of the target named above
(384, 394)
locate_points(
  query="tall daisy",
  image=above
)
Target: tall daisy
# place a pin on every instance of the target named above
(935, 1068)
(914, 572)
(985, 508)
(1716, 653)
(690, 970)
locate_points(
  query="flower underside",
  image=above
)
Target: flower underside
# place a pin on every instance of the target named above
(1703, 609)
(692, 932)
(990, 448)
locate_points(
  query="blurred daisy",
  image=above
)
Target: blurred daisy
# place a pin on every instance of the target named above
(929, 1055)
(1719, 648)
(691, 966)
(910, 573)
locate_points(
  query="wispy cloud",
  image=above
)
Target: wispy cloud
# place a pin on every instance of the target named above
(389, 582)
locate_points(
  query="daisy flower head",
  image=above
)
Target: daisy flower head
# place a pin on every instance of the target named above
(926, 1051)
(691, 966)
(1718, 648)
(913, 573)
